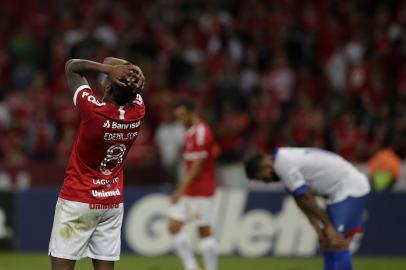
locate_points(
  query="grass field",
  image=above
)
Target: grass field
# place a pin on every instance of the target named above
(19, 261)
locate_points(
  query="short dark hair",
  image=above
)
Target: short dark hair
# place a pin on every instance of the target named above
(187, 103)
(124, 94)
(252, 166)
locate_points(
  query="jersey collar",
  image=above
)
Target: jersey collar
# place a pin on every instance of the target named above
(274, 153)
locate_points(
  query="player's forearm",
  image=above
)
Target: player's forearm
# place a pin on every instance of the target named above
(314, 221)
(316, 224)
(309, 206)
(192, 174)
(76, 68)
(115, 61)
(80, 66)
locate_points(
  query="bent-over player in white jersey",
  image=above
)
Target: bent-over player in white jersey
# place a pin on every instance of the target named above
(306, 172)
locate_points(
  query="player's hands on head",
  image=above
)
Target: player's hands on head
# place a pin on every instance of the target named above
(127, 75)
(119, 74)
(137, 78)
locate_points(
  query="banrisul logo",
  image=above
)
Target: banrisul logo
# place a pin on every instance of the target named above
(106, 124)
(116, 125)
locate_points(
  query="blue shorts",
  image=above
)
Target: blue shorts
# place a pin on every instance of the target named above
(346, 216)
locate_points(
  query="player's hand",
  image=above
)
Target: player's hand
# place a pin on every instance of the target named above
(321, 235)
(137, 79)
(175, 197)
(331, 233)
(121, 74)
(333, 239)
(338, 244)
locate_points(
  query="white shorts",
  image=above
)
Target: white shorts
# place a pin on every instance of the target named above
(79, 231)
(189, 208)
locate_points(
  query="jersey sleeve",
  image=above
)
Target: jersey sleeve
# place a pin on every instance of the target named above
(86, 102)
(202, 143)
(291, 176)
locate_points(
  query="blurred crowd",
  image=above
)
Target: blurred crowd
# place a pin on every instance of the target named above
(328, 74)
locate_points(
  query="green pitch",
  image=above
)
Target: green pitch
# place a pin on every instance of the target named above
(21, 261)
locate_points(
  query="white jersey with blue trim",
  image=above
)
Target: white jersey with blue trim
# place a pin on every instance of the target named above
(324, 173)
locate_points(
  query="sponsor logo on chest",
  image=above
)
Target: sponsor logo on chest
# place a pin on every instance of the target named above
(115, 125)
(106, 194)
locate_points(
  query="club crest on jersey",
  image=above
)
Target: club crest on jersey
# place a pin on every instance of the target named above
(106, 124)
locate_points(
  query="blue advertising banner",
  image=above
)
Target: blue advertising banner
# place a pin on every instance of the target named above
(34, 216)
(256, 223)
(6, 220)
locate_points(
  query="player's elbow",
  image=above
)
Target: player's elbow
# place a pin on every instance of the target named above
(303, 200)
(70, 64)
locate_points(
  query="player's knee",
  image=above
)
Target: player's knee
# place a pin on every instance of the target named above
(174, 226)
(62, 264)
(103, 265)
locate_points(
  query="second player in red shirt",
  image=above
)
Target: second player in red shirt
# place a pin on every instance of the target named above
(193, 199)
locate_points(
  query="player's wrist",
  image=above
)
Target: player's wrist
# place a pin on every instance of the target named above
(106, 69)
(181, 190)
(329, 227)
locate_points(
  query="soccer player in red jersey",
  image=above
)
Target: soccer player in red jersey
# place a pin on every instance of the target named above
(89, 211)
(196, 190)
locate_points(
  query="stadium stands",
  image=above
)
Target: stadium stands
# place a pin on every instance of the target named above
(329, 74)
